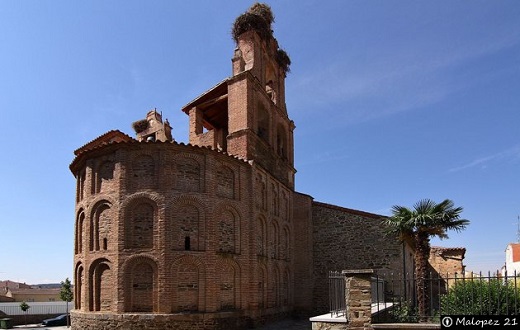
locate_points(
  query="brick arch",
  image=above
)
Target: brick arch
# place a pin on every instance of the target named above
(140, 214)
(274, 239)
(188, 224)
(148, 195)
(101, 283)
(261, 235)
(101, 224)
(285, 243)
(228, 284)
(188, 285)
(79, 283)
(80, 229)
(80, 185)
(227, 228)
(140, 282)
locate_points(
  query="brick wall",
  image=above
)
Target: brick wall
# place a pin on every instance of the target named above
(303, 248)
(168, 228)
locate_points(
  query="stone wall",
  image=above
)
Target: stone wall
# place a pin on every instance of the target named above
(215, 321)
(447, 261)
(346, 239)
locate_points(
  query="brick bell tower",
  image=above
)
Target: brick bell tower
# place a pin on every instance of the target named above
(245, 115)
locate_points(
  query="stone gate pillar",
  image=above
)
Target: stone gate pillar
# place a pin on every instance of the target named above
(358, 298)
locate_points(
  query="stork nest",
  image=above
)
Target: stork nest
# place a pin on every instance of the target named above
(140, 125)
(259, 18)
(248, 22)
(283, 60)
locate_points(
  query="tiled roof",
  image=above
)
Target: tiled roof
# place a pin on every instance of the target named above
(448, 248)
(108, 137)
(13, 285)
(116, 137)
(36, 292)
(204, 94)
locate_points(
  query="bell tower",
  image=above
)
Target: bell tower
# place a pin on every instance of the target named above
(246, 115)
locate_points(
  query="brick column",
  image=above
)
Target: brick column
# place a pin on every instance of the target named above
(358, 298)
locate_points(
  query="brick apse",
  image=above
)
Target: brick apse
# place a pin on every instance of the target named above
(211, 234)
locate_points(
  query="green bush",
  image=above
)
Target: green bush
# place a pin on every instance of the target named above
(404, 312)
(481, 297)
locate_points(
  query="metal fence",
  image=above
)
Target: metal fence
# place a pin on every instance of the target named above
(36, 308)
(394, 296)
(337, 294)
(448, 294)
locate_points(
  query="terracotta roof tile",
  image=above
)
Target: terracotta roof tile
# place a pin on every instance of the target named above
(108, 137)
(115, 137)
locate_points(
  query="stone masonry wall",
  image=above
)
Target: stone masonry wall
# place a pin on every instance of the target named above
(346, 239)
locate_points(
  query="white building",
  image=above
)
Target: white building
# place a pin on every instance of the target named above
(512, 259)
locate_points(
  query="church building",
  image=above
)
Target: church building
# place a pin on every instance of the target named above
(212, 234)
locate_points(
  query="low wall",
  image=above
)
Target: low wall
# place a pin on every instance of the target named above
(192, 321)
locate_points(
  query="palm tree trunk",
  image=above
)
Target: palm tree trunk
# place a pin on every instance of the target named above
(422, 253)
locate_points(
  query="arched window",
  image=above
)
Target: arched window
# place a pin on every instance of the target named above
(80, 186)
(101, 286)
(139, 226)
(80, 223)
(78, 286)
(227, 287)
(226, 232)
(105, 175)
(225, 182)
(142, 288)
(188, 229)
(261, 236)
(100, 227)
(274, 241)
(188, 286)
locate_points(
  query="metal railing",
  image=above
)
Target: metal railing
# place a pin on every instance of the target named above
(337, 304)
(394, 296)
(448, 294)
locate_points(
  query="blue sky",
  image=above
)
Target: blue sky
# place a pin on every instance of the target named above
(393, 101)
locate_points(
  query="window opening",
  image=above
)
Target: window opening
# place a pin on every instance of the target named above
(187, 243)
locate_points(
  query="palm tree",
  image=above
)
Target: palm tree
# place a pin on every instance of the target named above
(427, 219)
